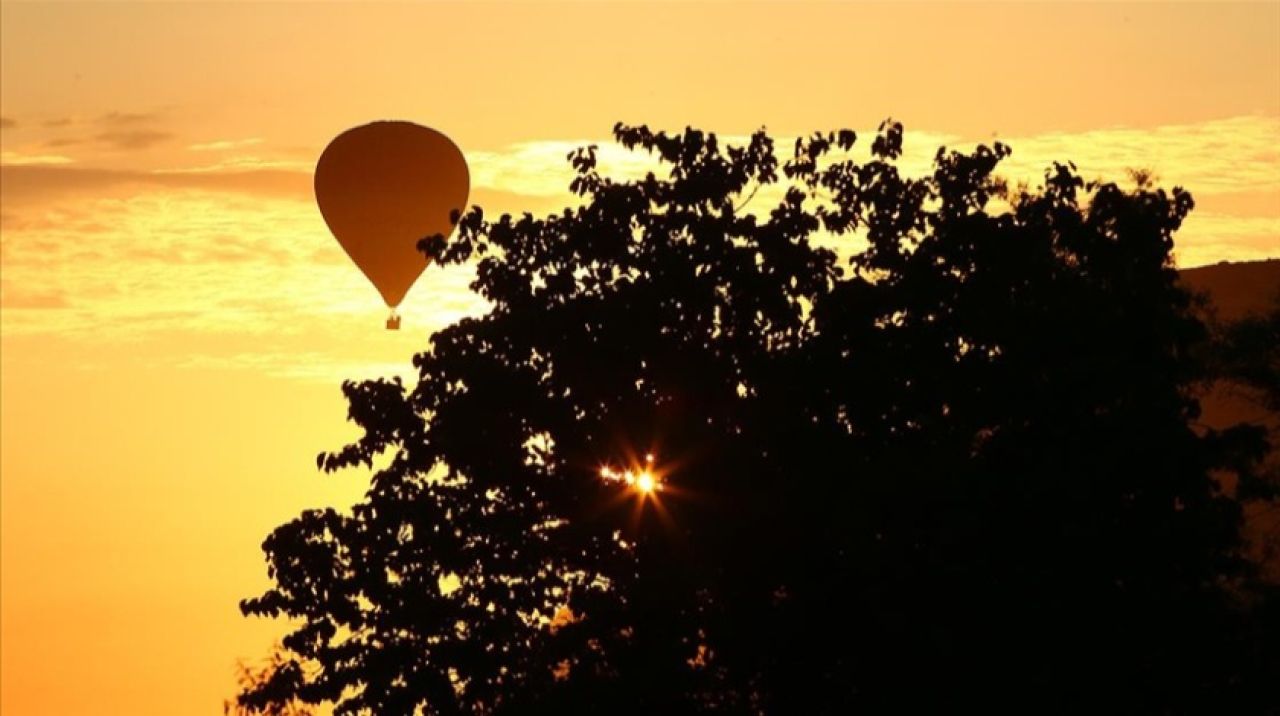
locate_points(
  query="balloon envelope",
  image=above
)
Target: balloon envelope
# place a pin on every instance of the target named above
(382, 187)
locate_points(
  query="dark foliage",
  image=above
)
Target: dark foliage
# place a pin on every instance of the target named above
(1244, 360)
(1247, 352)
(253, 677)
(957, 472)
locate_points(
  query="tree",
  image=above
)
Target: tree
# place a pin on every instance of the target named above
(946, 463)
(254, 677)
(1244, 360)
(1247, 353)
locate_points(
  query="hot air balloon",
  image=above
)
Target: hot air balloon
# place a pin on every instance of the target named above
(382, 187)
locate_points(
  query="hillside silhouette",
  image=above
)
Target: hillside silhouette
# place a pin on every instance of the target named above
(1236, 293)
(695, 460)
(1236, 290)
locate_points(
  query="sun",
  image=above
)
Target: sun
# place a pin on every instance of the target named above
(645, 483)
(642, 480)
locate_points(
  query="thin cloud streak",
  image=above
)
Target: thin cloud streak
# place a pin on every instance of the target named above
(132, 139)
(128, 118)
(242, 164)
(14, 159)
(224, 144)
(27, 184)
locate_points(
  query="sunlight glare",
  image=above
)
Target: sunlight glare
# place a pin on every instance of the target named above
(645, 483)
(643, 480)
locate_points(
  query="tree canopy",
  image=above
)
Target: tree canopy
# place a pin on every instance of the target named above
(921, 442)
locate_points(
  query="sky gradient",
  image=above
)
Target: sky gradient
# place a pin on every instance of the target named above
(175, 318)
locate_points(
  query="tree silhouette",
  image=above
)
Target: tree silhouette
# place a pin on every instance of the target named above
(255, 677)
(1247, 352)
(921, 443)
(1245, 362)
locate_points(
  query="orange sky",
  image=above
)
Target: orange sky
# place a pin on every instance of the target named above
(175, 318)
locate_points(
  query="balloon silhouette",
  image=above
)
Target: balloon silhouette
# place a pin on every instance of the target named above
(383, 186)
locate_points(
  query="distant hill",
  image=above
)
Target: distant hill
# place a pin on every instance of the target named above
(1235, 291)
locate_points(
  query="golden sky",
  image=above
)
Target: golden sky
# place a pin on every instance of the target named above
(175, 318)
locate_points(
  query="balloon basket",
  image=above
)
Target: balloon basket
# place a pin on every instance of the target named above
(393, 322)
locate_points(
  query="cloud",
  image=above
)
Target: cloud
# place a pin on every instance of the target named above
(132, 139)
(31, 183)
(235, 249)
(128, 118)
(1237, 154)
(1207, 238)
(114, 131)
(241, 163)
(16, 299)
(14, 159)
(64, 142)
(1231, 165)
(197, 263)
(224, 144)
(542, 169)
(34, 184)
(8, 123)
(234, 270)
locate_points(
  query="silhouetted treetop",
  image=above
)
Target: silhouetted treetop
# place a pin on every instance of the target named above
(918, 442)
